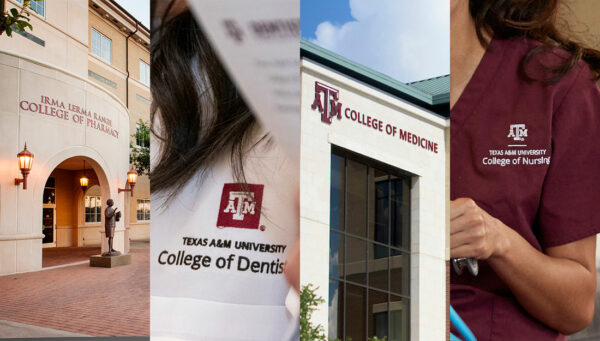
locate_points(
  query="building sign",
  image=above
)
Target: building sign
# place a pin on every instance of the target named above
(327, 103)
(60, 110)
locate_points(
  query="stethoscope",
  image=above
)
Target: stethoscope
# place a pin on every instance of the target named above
(459, 265)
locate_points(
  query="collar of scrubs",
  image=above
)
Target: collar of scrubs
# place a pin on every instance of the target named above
(477, 87)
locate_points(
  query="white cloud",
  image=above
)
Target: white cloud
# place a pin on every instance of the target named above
(405, 39)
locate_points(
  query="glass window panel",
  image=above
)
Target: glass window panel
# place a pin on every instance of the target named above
(49, 195)
(400, 274)
(96, 45)
(400, 209)
(356, 198)
(106, 49)
(336, 215)
(336, 310)
(378, 266)
(378, 314)
(144, 73)
(378, 205)
(377, 208)
(143, 209)
(399, 319)
(356, 260)
(355, 307)
(336, 254)
(137, 137)
(93, 209)
(38, 6)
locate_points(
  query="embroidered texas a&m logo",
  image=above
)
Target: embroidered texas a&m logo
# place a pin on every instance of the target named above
(518, 132)
(240, 206)
(329, 106)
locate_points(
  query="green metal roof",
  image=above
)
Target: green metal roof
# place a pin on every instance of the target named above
(437, 87)
(433, 93)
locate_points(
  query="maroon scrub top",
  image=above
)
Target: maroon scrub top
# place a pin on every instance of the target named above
(529, 155)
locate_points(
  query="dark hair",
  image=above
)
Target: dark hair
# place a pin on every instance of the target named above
(537, 20)
(200, 113)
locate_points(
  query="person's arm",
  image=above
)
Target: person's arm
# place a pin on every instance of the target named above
(557, 287)
(109, 213)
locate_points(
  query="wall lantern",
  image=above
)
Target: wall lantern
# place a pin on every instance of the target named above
(25, 160)
(131, 179)
(84, 181)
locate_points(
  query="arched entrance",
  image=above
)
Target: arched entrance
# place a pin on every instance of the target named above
(72, 217)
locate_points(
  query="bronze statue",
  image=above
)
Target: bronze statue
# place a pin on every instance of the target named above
(110, 214)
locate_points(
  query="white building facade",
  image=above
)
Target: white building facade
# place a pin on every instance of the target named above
(374, 200)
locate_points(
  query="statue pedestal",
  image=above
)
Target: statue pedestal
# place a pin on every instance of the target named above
(110, 261)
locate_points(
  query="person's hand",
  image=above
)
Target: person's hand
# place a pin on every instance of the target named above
(473, 232)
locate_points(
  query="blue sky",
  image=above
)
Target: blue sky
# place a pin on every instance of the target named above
(140, 9)
(407, 40)
(314, 12)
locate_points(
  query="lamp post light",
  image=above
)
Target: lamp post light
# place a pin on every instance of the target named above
(131, 179)
(25, 161)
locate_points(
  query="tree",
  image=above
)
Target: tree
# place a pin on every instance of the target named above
(14, 19)
(139, 155)
(308, 304)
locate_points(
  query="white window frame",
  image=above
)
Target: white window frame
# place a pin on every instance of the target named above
(144, 73)
(102, 38)
(137, 210)
(37, 4)
(98, 200)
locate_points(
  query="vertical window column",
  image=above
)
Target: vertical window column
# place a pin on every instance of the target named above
(369, 267)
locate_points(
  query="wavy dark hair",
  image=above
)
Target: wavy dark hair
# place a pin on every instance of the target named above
(537, 20)
(197, 113)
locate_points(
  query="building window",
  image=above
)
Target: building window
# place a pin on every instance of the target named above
(144, 73)
(143, 209)
(93, 209)
(369, 250)
(49, 192)
(141, 136)
(101, 46)
(38, 7)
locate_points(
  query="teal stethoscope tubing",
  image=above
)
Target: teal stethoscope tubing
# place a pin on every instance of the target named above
(461, 326)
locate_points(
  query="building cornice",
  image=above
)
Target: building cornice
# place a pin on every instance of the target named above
(111, 12)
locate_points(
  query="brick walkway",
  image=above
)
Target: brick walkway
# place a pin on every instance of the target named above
(66, 255)
(81, 299)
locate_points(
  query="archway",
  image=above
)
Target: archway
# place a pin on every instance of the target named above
(71, 230)
(71, 214)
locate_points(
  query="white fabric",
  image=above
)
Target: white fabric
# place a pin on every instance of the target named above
(221, 304)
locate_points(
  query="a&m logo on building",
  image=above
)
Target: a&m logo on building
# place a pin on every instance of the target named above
(328, 105)
(518, 132)
(240, 206)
